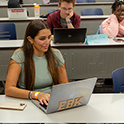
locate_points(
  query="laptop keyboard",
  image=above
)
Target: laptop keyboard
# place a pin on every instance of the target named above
(44, 105)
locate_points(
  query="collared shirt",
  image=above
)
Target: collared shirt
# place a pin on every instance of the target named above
(53, 20)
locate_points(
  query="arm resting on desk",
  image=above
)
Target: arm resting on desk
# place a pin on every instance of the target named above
(11, 88)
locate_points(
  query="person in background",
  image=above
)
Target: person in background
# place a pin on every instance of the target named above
(35, 67)
(65, 17)
(114, 25)
(21, 2)
(14, 4)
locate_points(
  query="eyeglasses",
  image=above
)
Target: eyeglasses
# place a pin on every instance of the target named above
(120, 10)
(65, 9)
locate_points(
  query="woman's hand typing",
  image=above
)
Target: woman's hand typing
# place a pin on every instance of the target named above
(43, 98)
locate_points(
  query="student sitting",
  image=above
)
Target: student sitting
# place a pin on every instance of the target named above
(35, 66)
(13, 4)
(114, 25)
(65, 17)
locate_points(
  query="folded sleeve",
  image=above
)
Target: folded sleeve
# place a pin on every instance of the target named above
(18, 56)
(121, 29)
(110, 26)
(77, 21)
(59, 57)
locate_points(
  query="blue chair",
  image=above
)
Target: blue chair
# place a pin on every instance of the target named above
(51, 11)
(85, 1)
(7, 31)
(91, 11)
(118, 80)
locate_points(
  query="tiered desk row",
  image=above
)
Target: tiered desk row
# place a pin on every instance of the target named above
(105, 6)
(90, 22)
(82, 61)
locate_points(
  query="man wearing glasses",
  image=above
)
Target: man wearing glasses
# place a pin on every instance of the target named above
(114, 25)
(65, 17)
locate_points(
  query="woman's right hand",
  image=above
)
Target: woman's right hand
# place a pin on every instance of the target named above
(43, 98)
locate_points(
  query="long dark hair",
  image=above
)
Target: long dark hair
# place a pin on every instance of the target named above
(29, 68)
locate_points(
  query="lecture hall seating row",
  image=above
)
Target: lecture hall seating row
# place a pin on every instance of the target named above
(105, 6)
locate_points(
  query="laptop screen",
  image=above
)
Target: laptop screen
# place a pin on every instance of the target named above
(17, 13)
(69, 35)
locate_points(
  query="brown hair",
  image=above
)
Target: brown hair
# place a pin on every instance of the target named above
(29, 68)
(68, 1)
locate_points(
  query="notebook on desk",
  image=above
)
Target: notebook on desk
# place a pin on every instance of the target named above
(69, 95)
(69, 35)
(17, 13)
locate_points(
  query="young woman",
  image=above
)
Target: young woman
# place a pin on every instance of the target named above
(35, 67)
(114, 25)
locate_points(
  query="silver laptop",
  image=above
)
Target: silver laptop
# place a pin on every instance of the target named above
(17, 13)
(68, 95)
(69, 35)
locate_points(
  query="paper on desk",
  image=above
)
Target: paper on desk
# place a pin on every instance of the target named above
(97, 39)
(12, 105)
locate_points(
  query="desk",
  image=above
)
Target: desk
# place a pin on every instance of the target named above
(102, 108)
(105, 6)
(82, 61)
(90, 22)
(28, 19)
(6, 50)
(21, 25)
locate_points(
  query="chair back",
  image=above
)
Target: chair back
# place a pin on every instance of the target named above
(99, 31)
(118, 80)
(91, 11)
(51, 11)
(7, 31)
(85, 1)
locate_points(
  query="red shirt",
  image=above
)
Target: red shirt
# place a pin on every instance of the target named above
(53, 20)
